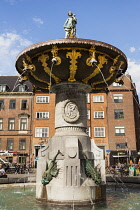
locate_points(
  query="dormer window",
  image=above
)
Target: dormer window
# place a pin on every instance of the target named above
(4, 88)
(22, 88)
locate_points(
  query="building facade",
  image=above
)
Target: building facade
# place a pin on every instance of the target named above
(27, 121)
(16, 107)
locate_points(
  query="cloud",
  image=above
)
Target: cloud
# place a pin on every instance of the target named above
(133, 70)
(132, 49)
(10, 45)
(39, 21)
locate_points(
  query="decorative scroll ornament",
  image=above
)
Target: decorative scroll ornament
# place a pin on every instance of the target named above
(92, 172)
(71, 113)
(91, 56)
(119, 80)
(102, 60)
(54, 52)
(52, 170)
(114, 66)
(43, 59)
(28, 65)
(73, 67)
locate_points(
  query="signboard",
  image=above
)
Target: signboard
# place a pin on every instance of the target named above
(108, 151)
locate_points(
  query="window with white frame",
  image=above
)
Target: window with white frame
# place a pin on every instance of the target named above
(88, 98)
(42, 115)
(41, 132)
(24, 104)
(10, 144)
(88, 131)
(118, 98)
(1, 123)
(11, 124)
(2, 88)
(115, 84)
(23, 124)
(119, 131)
(88, 114)
(22, 88)
(99, 131)
(42, 99)
(22, 144)
(98, 98)
(99, 114)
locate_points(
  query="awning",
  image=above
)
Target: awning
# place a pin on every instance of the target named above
(117, 156)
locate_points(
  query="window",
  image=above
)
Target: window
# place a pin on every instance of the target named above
(121, 145)
(98, 114)
(42, 132)
(115, 84)
(22, 144)
(2, 88)
(120, 131)
(21, 88)
(11, 124)
(42, 115)
(23, 124)
(1, 123)
(24, 104)
(88, 131)
(118, 114)
(42, 99)
(0, 144)
(22, 160)
(1, 104)
(99, 131)
(10, 144)
(12, 104)
(88, 98)
(98, 98)
(88, 114)
(118, 98)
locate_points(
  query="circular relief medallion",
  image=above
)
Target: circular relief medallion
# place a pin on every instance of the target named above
(71, 113)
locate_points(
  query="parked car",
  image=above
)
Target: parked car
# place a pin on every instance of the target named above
(5, 162)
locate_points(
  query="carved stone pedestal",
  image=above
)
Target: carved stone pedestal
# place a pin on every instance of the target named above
(71, 185)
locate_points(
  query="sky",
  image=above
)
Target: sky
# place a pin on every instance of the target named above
(26, 22)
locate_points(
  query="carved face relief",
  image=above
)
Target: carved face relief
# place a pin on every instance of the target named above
(71, 113)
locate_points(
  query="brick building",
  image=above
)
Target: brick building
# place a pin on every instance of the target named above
(15, 120)
(27, 120)
(43, 120)
(123, 122)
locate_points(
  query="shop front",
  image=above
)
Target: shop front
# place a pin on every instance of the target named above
(15, 157)
(123, 157)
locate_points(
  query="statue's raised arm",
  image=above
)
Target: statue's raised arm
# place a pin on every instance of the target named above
(70, 26)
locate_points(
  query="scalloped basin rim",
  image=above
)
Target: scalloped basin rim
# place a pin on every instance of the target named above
(71, 41)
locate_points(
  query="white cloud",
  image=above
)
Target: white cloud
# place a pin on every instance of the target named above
(38, 21)
(10, 45)
(132, 49)
(134, 71)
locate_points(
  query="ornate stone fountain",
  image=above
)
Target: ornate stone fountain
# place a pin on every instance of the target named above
(71, 168)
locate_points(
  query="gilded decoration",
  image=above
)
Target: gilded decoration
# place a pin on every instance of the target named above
(28, 65)
(54, 52)
(102, 60)
(43, 59)
(73, 67)
(91, 56)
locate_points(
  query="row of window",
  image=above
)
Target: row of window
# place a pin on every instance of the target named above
(118, 114)
(12, 104)
(100, 131)
(23, 123)
(10, 144)
(117, 98)
(21, 88)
